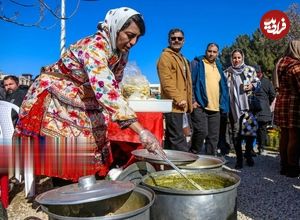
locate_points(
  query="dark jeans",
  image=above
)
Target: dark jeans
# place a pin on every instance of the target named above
(262, 134)
(238, 139)
(224, 136)
(174, 137)
(206, 126)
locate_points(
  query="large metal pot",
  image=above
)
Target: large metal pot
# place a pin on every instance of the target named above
(177, 204)
(133, 205)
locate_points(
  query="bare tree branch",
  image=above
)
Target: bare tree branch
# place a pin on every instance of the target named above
(24, 5)
(55, 14)
(15, 18)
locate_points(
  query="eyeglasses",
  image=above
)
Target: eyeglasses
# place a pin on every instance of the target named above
(178, 38)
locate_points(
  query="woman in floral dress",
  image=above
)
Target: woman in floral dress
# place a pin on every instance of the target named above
(69, 105)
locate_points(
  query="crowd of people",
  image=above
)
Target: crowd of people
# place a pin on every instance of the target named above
(230, 106)
(213, 94)
(78, 95)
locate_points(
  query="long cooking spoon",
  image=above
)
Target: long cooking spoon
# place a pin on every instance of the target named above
(164, 157)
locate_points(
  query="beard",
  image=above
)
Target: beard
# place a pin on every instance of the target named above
(9, 91)
(211, 59)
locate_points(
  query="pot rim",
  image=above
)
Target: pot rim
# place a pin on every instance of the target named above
(220, 159)
(225, 174)
(176, 156)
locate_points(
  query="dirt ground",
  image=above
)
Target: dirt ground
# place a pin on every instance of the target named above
(21, 208)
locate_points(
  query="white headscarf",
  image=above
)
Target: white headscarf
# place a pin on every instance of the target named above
(114, 21)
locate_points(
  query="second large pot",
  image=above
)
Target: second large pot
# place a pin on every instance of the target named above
(177, 204)
(99, 200)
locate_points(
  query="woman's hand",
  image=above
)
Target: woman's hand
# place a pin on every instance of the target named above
(149, 141)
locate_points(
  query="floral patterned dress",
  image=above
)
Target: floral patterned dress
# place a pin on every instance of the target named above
(75, 98)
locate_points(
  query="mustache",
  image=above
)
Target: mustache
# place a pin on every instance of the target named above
(211, 56)
(9, 91)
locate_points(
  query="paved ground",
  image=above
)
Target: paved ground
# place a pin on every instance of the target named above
(262, 194)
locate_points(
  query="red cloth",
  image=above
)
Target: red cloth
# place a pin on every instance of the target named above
(4, 190)
(153, 121)
(123, 141)
(33, 122)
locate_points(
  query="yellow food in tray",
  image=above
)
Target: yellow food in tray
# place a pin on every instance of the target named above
(136, 92)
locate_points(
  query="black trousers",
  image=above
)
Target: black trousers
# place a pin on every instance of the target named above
(238, 139)
(262, 134)
(206, 126)
(174, 137)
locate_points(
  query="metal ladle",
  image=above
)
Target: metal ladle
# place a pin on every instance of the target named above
(164, 157)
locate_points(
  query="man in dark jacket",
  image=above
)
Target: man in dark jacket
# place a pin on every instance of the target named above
(2, 93)
(14, 94)
(266, 94)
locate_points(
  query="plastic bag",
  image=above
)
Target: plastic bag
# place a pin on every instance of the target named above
(134, 84)
(185, 125)
(114, 173)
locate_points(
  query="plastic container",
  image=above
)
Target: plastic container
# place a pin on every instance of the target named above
(151, 105)
(273, 138)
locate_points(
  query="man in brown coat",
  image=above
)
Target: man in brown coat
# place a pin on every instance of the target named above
(176, 84)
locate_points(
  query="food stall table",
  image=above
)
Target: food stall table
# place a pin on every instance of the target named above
(123, 141)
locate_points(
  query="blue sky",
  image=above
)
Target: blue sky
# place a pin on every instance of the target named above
(27, 49)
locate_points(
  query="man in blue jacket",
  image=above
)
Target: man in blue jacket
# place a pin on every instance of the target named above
(210, 92)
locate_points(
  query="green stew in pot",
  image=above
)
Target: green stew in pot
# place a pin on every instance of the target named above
(175, 181)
